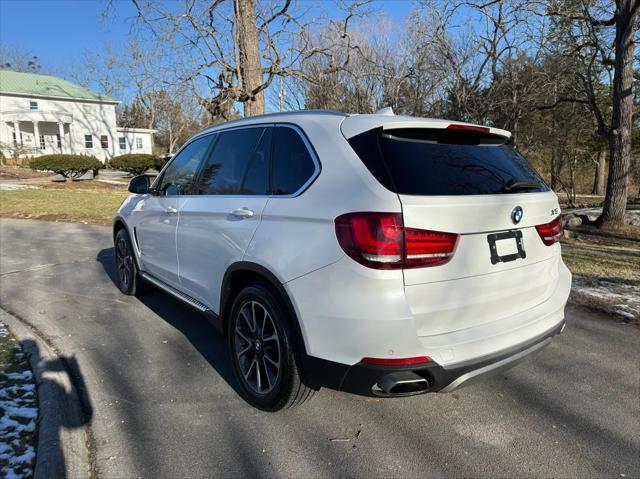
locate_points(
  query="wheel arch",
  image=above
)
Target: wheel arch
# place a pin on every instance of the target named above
(118, 224)
(242, 273)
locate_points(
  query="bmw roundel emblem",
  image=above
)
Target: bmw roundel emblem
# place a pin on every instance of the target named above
(516, 215)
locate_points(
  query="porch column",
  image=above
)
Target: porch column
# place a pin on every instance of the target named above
(72, 140)
(36, 133)
(16, 129)
(61, 133)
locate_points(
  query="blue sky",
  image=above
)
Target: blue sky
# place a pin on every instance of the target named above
(59, 32)
(62, 33)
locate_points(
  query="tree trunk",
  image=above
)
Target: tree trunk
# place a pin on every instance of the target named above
(250, 65)
(600, 175)
(554, 168)
(615, 201)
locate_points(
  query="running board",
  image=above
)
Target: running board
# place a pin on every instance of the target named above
(194, 303)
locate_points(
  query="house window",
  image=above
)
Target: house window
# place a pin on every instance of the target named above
(59, 140)
(15, 139)
(42, 144)
(123, 143)
(88, 141)
(139, 143)
(104, 141)
(33, 105)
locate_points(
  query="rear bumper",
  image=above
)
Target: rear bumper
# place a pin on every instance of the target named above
(364, 379)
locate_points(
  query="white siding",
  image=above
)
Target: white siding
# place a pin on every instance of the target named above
(80, 118)
(132, 136)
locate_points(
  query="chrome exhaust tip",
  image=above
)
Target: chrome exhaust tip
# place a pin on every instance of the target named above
(402, 383)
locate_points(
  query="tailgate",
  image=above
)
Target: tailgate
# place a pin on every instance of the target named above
(475, 218)
(471, 289)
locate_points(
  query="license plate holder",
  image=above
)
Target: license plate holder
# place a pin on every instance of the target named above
(505, 235)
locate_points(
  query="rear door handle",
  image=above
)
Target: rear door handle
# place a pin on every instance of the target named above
(170, 210)
(243, 212)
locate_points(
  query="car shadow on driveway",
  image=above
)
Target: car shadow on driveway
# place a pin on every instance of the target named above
(65, 407)
(196, 327)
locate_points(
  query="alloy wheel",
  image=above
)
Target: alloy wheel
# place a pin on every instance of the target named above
(257, 348)
(124, 262)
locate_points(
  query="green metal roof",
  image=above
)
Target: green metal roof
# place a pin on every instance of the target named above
(45, 85)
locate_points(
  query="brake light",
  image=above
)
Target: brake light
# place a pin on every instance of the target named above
(550, 233)
(425, 248)
(474, 128)
(396, 361)
(380, 241)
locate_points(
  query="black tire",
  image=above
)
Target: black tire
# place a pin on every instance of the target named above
(128, 276)
(266, 386)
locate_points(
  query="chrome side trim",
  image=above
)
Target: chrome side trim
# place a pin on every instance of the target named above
(194, 303)
(495, 367)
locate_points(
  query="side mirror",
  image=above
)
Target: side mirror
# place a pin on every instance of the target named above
(140, 185)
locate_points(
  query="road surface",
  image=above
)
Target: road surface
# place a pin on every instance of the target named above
(163, 400)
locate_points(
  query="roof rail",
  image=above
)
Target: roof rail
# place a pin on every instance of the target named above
(277, 114)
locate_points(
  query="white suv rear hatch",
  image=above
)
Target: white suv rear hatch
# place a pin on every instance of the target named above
(469, 181)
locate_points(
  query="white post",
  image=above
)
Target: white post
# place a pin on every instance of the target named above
(71, 139)
(61, 133)
(36, 133)
(16, 129)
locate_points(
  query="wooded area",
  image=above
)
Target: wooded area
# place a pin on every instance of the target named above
(561, 75)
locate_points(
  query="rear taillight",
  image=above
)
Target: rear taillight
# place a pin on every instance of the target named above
(550, 233)
(380, 241)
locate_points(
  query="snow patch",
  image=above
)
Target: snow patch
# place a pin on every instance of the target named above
(621, 299)
(18, 413)
(15, 186)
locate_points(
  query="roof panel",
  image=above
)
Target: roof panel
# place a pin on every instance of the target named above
(47, 86)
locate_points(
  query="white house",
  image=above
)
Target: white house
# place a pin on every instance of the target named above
(42, 114)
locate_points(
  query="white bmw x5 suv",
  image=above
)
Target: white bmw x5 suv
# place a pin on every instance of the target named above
(376, 254)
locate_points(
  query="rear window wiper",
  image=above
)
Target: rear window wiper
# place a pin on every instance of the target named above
(519, 185)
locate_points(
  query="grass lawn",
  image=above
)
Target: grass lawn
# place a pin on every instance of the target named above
(79, 201)
(606, 270)
(592, 261)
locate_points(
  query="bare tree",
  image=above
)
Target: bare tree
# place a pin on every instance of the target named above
(17, 59)
(232, 51)
(250, 78)
(608, 41)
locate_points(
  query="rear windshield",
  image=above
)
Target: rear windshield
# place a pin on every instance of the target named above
(443, 162)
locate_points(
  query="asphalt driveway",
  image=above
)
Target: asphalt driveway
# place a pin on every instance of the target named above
(164, 403)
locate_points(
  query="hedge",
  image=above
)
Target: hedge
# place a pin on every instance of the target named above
(69, 166)
(136, 164)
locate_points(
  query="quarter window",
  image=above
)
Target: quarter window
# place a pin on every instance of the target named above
(291, 163)
(237, 164)
(33, 105)
(104, 141)
(122, 141)
(88, 141)
(179, 175)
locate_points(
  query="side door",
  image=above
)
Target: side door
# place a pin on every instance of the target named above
(158, 214)
(218, 221)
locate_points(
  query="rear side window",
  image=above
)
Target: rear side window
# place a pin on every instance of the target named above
(443, 162)
(291, 162)
(237, 164)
